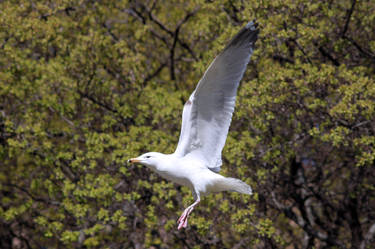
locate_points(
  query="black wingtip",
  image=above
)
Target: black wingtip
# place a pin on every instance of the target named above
(246, 36)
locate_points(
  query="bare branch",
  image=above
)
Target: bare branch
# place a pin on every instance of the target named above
(360, 49)
(155, 73)
(302, 50)
(153, 19)
(348, 17)
(326, 54)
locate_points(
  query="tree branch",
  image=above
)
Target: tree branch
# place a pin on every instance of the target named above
(105, 106)
(164, 28)
(360, 49)
(348, 17)
(155, 73)
(302, 50)
(175, 40)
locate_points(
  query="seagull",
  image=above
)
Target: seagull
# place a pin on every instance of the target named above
(206, 118)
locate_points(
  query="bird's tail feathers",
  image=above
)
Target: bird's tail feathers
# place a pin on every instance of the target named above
(233, 184)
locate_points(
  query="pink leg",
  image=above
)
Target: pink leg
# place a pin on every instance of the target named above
(184, 217)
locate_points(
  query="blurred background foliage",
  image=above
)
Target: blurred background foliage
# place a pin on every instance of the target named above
(85, 85)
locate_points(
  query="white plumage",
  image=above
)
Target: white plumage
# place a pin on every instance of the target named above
(206, 119)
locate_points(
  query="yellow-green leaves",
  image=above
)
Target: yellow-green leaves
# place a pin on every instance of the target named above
(86, 85)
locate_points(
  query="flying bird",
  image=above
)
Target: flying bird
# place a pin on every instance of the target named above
(206, 118)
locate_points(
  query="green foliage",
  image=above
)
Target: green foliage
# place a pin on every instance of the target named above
(85, 85)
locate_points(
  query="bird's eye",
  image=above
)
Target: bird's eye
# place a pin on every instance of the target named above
(148, 156)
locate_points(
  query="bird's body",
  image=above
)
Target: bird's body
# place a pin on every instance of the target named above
(186, 173)
(180, 170)
(206, 119)
(189, 172)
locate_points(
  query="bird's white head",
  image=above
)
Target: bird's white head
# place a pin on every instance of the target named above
(149, 159)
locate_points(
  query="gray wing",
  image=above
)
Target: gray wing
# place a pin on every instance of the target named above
(207, 114)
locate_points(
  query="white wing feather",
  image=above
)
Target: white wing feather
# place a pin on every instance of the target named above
(208, 113)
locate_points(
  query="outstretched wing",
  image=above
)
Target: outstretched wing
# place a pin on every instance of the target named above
(207, 114)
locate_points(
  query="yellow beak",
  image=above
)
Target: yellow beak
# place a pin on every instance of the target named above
(134, 160)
